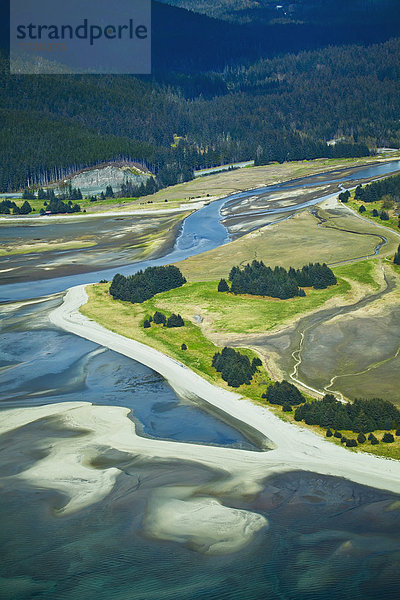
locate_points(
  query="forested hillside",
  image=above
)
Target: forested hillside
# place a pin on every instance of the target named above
(280, 108)
(356, 12)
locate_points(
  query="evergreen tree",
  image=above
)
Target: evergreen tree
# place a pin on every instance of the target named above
(25, 208)
(283, 392)
(145, 284)
(28, 195)
(223, 286)
(109, 192)
(159, 318)
(175, 321)
(396, 258)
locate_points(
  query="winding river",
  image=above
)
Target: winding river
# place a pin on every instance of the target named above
(326, 537)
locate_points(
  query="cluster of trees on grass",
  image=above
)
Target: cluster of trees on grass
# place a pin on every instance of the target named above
(6, 206)
(360, 416)
(235, 368)
(145, 284)
(57, 206)
(52, 203)
(259, 280)
(373, 192)
(363, 416)
(396, 258)
(285, 394)
(344, 196)
(387, 438)
(382, 214)
(160, 319)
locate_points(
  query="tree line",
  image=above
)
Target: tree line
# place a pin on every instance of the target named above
(235, 368)
(145, 284)
(363, 416)
(6, 206)
(259, 280)
(360, 416)
(61, 124)
(373, 192)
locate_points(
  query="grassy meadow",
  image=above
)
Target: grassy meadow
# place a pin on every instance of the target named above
(127, 319)
(229, 313)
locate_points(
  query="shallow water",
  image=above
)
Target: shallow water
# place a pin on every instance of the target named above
(40, 365)
(327, 538)
(201, 231)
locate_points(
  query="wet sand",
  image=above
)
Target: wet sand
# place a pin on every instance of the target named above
(293, 447)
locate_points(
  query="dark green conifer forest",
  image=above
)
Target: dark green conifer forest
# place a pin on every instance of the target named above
(268, 91)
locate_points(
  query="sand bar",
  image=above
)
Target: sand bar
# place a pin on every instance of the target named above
(294, 448)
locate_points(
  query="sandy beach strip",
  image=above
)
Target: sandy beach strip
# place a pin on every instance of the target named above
(294, 448)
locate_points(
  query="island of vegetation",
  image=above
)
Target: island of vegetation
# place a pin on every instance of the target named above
(258, 280)
(235, 368)
(241, 313)
(145, 284)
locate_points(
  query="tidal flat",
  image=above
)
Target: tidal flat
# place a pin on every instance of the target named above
(325, 538)
(49, 248)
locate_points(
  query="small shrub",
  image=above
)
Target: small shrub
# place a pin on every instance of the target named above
(343, 440)
(337, 434)
(183, 347)
(373, 439)
(146, 324)
(361, 438)
(388, 438)
(397, 431)
(329, 433)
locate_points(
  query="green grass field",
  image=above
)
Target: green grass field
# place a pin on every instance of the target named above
(363, 272)
(231, 314)
(127, 319)
(294, 242)
(244, 313)
(394, 218)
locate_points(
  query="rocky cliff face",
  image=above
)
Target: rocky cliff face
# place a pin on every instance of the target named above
(95, 181)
